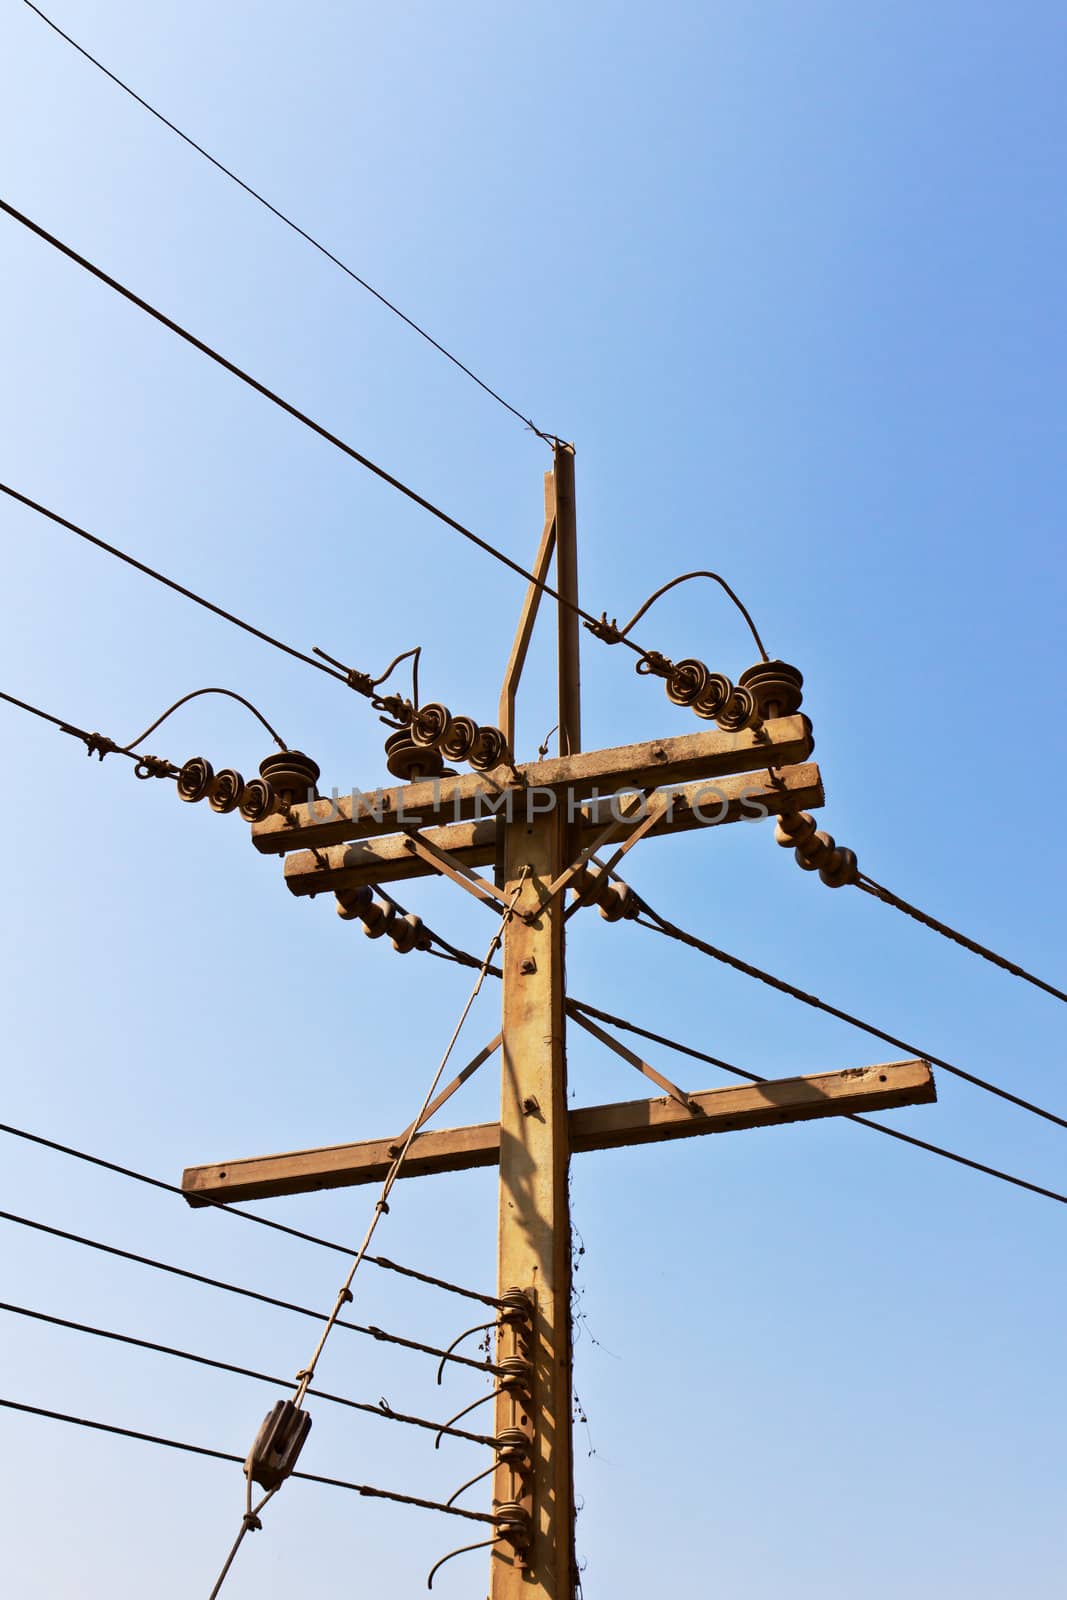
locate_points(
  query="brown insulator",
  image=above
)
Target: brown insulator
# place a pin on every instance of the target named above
(257, 800)
(793, 827)
(430, 725)
(739, 712)
(617, 902)
(353, 903)
(409, 933)
(686, 681)
(195, 779)
(517, 1309)
(378, 919)
(408, 761)
(224, 795)
(459, 741)
(489, 749)
(839, 868)
(278, 1444)
(813, 851)
(777, 686)
(513, 1520)
(513, 1448)
(516, 1374)
(816, 851)
(292, 775)
(714, 697)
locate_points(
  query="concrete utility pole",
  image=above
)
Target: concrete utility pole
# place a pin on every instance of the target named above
(345, 847)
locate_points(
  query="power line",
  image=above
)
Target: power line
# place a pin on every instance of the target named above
(368, 1330)
(248, 1216)
(450, 952)
(817, 851)
(865, 1122)
(381, 1410)
(96, 743)
(366, 1489)
(179, 588)
(289, 223)
(307, 421)
(658, 924)
(887, 897)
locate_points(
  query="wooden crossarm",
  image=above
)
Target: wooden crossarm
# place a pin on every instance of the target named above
(389, 860)
(692, 756)
(631, 1122)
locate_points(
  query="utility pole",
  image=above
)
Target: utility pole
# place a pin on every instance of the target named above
(540, 850)
(534, 1238)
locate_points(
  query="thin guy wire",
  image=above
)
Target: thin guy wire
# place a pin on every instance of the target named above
(179, 588)
(384, 1411)
(658, 924)
(369, 1491)
(307, 421)
(247, 1216)
(463, 958)
(192, 695)
(344, 1293)
(878, 892)
(289, 223)
(381, 1206)
(369, 1331)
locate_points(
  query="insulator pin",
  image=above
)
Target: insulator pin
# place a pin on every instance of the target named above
(292, 775)
(777, 686)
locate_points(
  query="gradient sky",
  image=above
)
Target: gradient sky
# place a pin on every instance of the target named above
(791, 277)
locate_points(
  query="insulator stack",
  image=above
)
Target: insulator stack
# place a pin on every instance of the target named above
(614, 898)
(407, 931)
(433, 734)
(778, 688)
(285, 778)
(292, 775)
(712, 696)
(515, 1443)
(816, 851)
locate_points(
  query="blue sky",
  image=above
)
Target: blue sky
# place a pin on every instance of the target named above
(791, 279)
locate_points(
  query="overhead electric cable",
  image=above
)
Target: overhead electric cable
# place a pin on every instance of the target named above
(887, 897)
(307, 421)
(652, 920)
(380, 1410)
(179, 588)
(450, 952)
(380, 1334)
(95, 743)
(289, 223)
(366, 1489)
(865, 1122)
(247, 1216)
